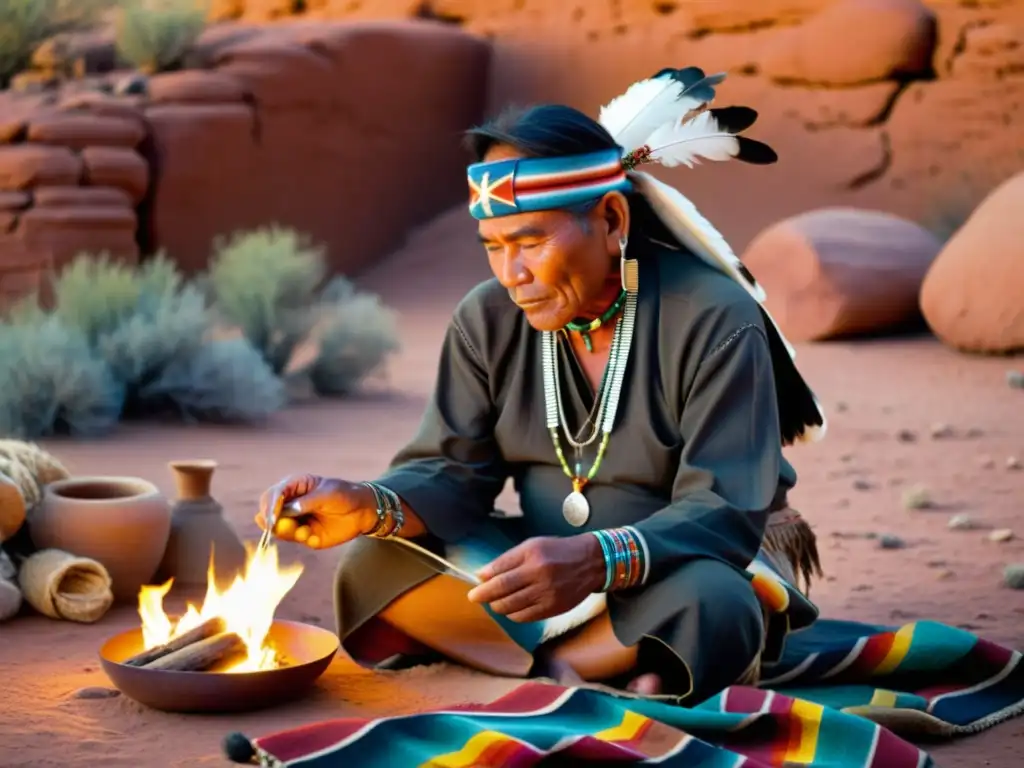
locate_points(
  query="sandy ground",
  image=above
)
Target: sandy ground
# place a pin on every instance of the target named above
(849, 485)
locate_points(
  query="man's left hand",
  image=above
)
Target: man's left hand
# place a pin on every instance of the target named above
(542, 577)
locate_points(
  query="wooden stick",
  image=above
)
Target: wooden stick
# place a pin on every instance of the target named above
(200, 656)
(214, 626)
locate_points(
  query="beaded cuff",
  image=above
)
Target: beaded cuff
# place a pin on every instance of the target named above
(626, 558)
(390, 517)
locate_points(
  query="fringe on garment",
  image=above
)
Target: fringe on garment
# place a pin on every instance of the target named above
(790, 537)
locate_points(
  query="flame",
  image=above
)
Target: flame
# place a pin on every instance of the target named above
(247, 607)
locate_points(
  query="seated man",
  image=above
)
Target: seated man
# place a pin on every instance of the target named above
(620, 370)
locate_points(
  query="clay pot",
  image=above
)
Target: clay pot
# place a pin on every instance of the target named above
(198, 527)
(121, 522)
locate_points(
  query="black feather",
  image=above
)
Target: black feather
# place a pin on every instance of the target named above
(755, 152)
(747, 274)
(703, 90)
(695, 83)
(734, 119)
(686, 75)
(798, 411)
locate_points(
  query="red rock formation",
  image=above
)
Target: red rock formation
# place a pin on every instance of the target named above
(839, 272)
(347, 132)
(973, 296)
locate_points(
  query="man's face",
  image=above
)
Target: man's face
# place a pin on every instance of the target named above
(553, 263)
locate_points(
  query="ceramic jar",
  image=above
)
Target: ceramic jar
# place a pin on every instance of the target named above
(198, 526)
(121, 522)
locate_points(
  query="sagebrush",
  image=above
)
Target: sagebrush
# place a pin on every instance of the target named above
(157, 35)
(25, 24)
(270, 283)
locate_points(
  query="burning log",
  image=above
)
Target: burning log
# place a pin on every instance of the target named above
(214, 626)
(202, 655)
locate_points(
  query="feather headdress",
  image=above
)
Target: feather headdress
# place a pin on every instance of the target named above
(667, 119)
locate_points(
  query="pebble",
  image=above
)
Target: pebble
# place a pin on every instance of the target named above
(1000, 534)
(841, 407)
(1013, 463)
(862, 485)
(940, 431)
(1015, 379)
(888, 541)
(946, 575)
(95, 692)
(917, 497)
(961, 523)
(1013, 576)
(906, 436)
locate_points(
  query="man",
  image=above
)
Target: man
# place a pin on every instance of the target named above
(619, 369)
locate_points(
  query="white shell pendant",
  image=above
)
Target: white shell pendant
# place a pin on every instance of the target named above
(576, 509)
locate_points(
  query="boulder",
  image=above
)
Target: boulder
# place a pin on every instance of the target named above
(117, 167)
(973, 295)
(80, 130)
(838, 272)
(27, 165)
(854, 42)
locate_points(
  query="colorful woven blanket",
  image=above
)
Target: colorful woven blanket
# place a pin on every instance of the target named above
(838, 697)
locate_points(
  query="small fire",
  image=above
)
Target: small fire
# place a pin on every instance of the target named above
(247, 607)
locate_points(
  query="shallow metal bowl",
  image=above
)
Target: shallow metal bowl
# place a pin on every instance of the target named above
(309, 650)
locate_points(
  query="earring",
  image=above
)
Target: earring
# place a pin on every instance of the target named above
(629, 269)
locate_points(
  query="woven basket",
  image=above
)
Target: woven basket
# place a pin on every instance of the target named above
(64, 586)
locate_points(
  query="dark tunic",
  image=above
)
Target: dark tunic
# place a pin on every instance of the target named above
(694, 463)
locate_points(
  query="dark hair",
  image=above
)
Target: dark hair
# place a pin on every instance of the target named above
(554, 130)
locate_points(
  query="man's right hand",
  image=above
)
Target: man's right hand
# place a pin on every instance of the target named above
(331, 511)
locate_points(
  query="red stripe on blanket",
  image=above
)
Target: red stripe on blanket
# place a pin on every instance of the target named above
(528, 698)
(893, 752)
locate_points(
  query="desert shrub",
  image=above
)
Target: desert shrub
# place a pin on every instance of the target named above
(25, 24)
(137, 319)
(269, 284)
(265, 283)
(224, 380)
(156, 35)
(357, 335)
(51, 382)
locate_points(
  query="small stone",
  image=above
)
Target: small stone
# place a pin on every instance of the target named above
(841, 407)
(846, 458)
(1013, 576)
(906, 436)
(917, 497)
(973, 433)
(936, 563)
(1000, 534)
(1015, 379)
(862, 485)
(1013, 463)
(95, 692)
(986, 462)
(862, 588)
(888, 541)
(946, 575)
(961, 523)
(940, 431)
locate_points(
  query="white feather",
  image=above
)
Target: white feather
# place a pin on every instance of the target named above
(646, 105)
(693, 230)
(678, 143)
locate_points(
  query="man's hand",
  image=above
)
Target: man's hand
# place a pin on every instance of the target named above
(331, 511)
(542, 577)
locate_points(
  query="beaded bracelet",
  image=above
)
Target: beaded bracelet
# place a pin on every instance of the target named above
(390, 517)
(625, 557)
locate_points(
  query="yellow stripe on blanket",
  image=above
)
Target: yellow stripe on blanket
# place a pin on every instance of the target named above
(810, 714)
(627, 730)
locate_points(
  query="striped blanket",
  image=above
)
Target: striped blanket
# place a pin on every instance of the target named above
(843, 695)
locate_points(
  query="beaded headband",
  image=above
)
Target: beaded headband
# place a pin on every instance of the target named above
(505, 187)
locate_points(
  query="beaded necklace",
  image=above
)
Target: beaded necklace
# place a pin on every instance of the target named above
(587, 327)
(576, 508)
